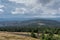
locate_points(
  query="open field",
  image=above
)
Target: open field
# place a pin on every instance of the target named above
(15, 36)
(18, 36)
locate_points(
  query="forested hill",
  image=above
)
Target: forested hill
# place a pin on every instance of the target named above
(33, 22)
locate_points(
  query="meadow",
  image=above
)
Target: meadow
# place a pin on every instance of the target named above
(15, 36)
(20, 36)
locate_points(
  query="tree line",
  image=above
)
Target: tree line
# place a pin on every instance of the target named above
(35, 29)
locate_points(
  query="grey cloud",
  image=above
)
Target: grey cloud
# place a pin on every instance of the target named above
(44, 1)
(34, 8)
(55, 6)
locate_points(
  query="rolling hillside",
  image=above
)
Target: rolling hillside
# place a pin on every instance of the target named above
(33, 22)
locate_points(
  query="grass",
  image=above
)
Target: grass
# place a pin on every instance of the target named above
(19, 36)
(15, 36)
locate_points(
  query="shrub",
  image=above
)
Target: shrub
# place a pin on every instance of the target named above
(33, 35)
(43, 35)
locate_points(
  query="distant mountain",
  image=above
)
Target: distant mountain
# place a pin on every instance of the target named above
(14, 19)
(33, 22)
(24, 19)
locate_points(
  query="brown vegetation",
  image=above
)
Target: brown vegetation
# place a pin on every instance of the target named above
(15, 36)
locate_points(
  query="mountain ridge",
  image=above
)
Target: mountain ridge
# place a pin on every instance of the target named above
(30, 22)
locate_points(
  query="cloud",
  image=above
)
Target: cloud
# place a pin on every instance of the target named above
(1, 10)
(1, 6)
(26, 2)
(36, 8)
(44, 1)
(19, 11)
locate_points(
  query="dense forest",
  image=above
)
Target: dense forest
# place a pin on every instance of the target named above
(42, 28)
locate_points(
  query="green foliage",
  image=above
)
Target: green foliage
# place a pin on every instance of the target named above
(35, 29)
(50, 36)
(43, 35)
(28, 28)
(33, 35)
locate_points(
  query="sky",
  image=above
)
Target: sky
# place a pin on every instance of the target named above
(29, 8)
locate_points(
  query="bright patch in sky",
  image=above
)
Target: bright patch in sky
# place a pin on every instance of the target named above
(1, 10)
(30, 8)
(19, 11)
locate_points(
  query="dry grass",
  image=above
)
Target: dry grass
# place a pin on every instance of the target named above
(18, 36)
(15, 36)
